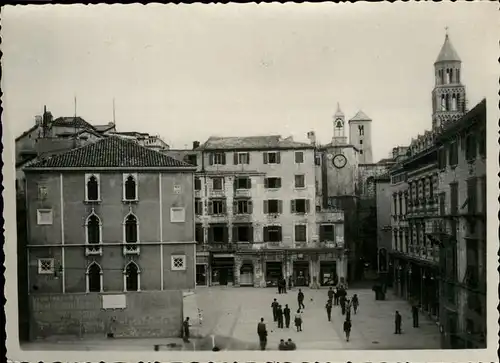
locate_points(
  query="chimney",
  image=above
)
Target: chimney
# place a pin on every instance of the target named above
(311, 135)
(38, 120)
(196, 144)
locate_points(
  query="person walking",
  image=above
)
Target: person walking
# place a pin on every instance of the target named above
(279, 285)
(414, 313)
(397, 323)
(286, 314)
(274, 306)
(342, 303)
(348, 305)
(300, 299)
(262, 333)
(329, 310)
(298, 320)
(283, 285)
(185, 330)
(347, 329)
(290, 283)
(355, 303)
(280, 317)
(336, 296)
(330, 294)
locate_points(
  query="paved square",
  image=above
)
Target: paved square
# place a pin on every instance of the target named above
(235, 312)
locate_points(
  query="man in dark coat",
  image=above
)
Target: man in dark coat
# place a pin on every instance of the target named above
(283, 285)
(279, 286)
(262, 333)
(280, 317)
(300, 299)
(355, 303)
(330, 294)
(286, 314)
(274, 306)
(342, 303)
(336, 296)
(397, 323)
(329, 310)
(185, 330)
(414, 313)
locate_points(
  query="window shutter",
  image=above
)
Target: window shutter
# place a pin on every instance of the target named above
(210, 236)
(210, 207)
(250, 233)
(280, 206)
(266, 234)
(248, 158)
(235, 207)
(292, 206)
(266, 183)
(211, 158)
(266, 207)
(278, 182)
(235, 234)
(279, 234)
(235, 158)
(278, 157)
(249, 183)
(235, 184)
(223, 158)
(225, 237)
(308, 207)
(250, 207)
(265, 157)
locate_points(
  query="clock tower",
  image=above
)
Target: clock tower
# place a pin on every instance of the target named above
(339, 137)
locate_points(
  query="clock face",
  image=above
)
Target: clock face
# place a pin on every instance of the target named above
(339, 161)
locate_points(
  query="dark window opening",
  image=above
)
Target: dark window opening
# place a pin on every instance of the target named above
(301, 233)
(453, 198)
(92, 188)
(300, 181)
(132, 277)
(272, 183)
(131, 229)
(197, 184)
(130, 188)
(326, 232)
(300, 205)
(272, 206)
(218, 183)
(219, 234)
(94, 276)
(199, 234)
(191, 159)
(299, 157)
(272, 234)
(217, 206)
(242, 206)
(243, 183)
(93, 230)
(242, 234)
(198, 207)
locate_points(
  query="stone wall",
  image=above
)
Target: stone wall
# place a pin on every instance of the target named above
(156, 314)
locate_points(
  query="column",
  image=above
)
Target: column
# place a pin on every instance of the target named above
(237, 268)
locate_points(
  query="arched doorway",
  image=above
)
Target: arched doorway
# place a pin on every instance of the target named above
(246, 273)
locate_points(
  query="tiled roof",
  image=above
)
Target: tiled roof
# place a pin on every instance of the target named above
(72, 122)
(252, 142)
(447, 53)
(103, 128)
(360, 116)
(32, 128)
(110, 152)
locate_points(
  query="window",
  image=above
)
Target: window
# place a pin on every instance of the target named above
(92, 192)
(395, 203)
(130, 187)
(361, 130)
(299, 206)
(453, 198)
(299, 157)
(243, 183)
(453, 154)
(178, 262)
(218, 158)
(42, 192)
(471, 277)
(242, 206)
(199, 233)
(217, 183)
(300, 181)
(177, 215)
(472, 195)
(44, 216)
(242, 233)
(272, 183)
(132, 277)
(442, 202)
(218, 233)
(197, 184)
(326, 232)
(131, 229)
(198, 207)
(273, 206)
(217, 206)
(46, 266)
(317, 160)
(400, 204)
(272, 234)
(300, 233)
(272, 157)
(94, 237)
(241, 158)
(360, 152)
(470, 147)
(191, 159)
(361, 142)
(94, 278)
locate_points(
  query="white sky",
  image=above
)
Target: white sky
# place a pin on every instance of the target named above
(187, 72)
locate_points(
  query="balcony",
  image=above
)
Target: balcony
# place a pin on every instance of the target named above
(242, 193)
(217, 193)
(242, 218)
(216, 218)
(131, 249)
(330, 217)
(216, 247)
(93, 250)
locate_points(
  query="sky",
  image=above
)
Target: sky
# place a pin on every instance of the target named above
(187, 72)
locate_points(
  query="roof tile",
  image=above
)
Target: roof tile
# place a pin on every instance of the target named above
(72, 122)
(252, 142)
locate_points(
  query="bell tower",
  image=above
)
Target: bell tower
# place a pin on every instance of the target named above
(448, 96)
(339, 137)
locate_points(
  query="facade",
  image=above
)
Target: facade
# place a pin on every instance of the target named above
(461, 230)
(360, 135)
(256, 216)
(107, 221)
(384, 236)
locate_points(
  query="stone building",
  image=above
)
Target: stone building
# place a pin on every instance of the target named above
(383, 226)
(461, 230)
(256, 214)
(110, 225)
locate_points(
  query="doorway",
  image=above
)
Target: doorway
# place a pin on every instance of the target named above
(246, 274)
(222, 270)
(301, 273)
(328, 273)
(201, 274)
(274, 272)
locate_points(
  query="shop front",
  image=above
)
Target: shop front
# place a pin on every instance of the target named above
(202, 270)
(274, 272)
(300, 273)
(328, 273)
(222, 269)
(246, 273)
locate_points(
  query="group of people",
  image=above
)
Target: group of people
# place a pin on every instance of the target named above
(282, 316)
(282, 286)
(336, 297)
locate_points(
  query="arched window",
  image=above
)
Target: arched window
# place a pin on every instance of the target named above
(442, 76)
(93, 234)
(448, 76)
(94, 278)
(458, 75)
(92, 187)
(447, 102)
(443, 103)
(132, 277)
(131, 229)
(130, 187)
(454, 103)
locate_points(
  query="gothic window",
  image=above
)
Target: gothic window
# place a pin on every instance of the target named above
(94, 278)
(458, 75)
(447, 102)
(130, 187)
(454, 103)
(448, 76)
(442, 76)
(132, 277)
(131, 235)
(93, 226)
(443, 103)
(92, 187)
(361, 129)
